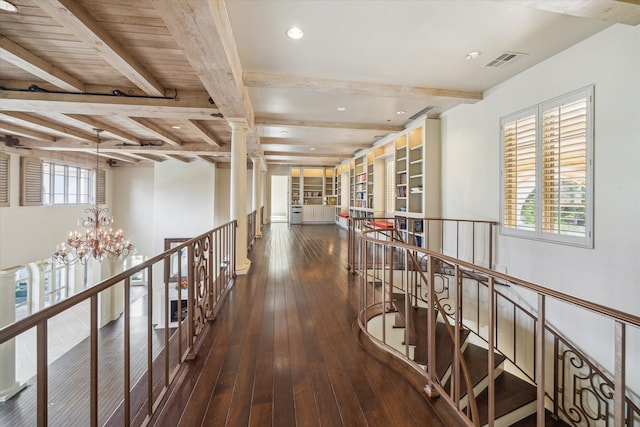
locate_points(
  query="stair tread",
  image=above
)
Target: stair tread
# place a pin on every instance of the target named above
(511, 393)
(418, 336)
(531, 421)
(477, 359)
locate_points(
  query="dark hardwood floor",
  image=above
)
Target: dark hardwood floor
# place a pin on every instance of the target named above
(283, 351)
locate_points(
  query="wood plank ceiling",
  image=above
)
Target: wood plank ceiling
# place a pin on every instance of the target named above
(163, 77)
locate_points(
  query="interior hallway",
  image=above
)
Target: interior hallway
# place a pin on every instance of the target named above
(283, 352)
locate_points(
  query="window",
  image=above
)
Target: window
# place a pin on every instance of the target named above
(68, 185)
(55, 283)
(23, 306)
(140, 277)
(546, 170)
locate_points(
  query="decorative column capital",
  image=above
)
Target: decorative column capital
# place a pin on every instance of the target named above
(238, 124)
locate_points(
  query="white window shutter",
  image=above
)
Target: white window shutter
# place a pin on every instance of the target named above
(4, 179)
(101, 194)
(31, 182)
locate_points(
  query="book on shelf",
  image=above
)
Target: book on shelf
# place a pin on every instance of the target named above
(418, 226)
(401, 191)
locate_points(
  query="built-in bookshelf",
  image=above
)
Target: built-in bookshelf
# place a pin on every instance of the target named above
(313, 186)
(360, 189)
(295, 187)
(352, 183)
(328, 182)
(411, 230)
(415, 168)
(401, 173)
(310, 186)
(370, 179)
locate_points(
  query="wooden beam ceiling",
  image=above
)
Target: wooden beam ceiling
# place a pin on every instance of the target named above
(78, 21)
(38, 123)
(265, 121)
(196, 106)
(300, 142)
(147, 126)
(203, 31)
(207, 136)
(314, 84)
(22, 58)
(111, 147)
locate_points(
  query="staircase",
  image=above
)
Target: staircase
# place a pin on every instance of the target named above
(515, 398)
(432, 311)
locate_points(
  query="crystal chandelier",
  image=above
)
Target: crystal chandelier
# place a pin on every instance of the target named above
(96, 241)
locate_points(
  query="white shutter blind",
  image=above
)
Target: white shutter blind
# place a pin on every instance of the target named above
(564, 167)
(519, 172)
(4, 179)
(31, 185)
(101, 197)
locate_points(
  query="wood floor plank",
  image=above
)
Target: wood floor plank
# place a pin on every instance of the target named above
(283, 350)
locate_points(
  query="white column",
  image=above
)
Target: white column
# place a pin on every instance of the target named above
(257, 199)
(9, 387)
(239, 191)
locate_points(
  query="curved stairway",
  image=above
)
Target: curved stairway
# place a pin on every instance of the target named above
(515, 398)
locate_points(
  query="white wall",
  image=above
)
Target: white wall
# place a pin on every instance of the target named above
(133, 201)
(31, 233)
(223, 204)
(183, 203)
(609, 274)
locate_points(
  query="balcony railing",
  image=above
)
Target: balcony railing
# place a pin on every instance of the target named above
(206, 267)
(498, 312)
(468, 240)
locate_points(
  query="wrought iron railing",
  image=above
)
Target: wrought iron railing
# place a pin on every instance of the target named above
(204, 265)
(468, 240)
(494, 308)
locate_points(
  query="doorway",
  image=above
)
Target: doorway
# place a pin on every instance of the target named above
(279, 192)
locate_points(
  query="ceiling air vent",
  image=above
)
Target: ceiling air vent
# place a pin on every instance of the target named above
(505, 59)
(425, 110)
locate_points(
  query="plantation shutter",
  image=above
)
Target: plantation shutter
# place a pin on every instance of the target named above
(564, 174)
(101, 197)
(31, 182)
(4, 179)
(519, 172)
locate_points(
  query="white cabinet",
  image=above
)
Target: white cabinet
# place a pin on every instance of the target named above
(328, 214)
(318, 214)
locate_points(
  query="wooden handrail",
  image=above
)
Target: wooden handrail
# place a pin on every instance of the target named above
(619, 315)
(617, 400)
(213, 281)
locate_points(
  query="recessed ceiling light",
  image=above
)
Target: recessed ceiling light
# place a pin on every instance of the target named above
(175, 127)
(7, 7)
(284, 132)
(342, 108)
(295, 33)
(312, 148)
(401, 112)
(472, 55)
